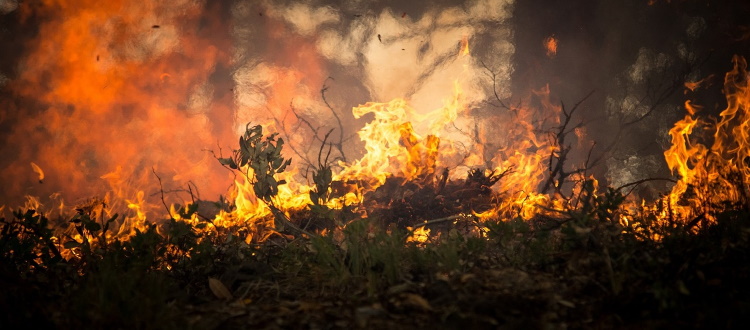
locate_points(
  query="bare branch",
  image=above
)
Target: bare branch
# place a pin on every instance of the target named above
(558, 175)
(493, 76)
(161, 189)
(338, 145)
(676, 84)
(635, 184)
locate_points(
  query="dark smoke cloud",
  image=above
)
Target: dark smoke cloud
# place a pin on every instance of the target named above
(635, 57)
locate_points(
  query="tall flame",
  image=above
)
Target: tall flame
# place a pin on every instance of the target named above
(146, 73)
(709, 176)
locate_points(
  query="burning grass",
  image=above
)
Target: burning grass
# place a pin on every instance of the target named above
(422, 230)
(417, 249)
(580, 270)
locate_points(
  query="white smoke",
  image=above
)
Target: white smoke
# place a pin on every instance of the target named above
(380, 52)
(7, 6)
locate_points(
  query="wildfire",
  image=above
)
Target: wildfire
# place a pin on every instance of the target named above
(157, 95)
(401, 142)
(710, 176)
(398, 142)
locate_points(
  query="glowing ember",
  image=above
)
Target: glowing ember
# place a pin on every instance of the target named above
(38, 171)
(550, 45)
(419, 235)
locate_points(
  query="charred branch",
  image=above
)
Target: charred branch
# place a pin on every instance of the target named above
(493, 76)
(161, 190)
(635, 184)
(558, 175)
(339, 145)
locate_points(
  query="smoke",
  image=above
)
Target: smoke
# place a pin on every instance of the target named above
(100, 95)
(7, 6)
(292, 55)
(106, 96)
(379, 53)
(108, 93)
(635, 57)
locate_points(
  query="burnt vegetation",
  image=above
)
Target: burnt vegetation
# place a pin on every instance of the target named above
(582, 269)
(596, 260)
(330, 267)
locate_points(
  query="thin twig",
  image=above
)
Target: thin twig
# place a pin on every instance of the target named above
(636, 183)
(558, 175)
(161, 189)
(339, 145)
(493, 75)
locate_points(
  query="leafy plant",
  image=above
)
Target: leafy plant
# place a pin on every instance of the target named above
(321, 192)
(90, 231)
(27, 243)
(322, 176)
(259, 159)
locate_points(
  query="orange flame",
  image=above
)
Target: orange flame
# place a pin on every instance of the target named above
(142, 76)
(550, 45)
(464, 46)
(38, 171)
(710, 176)
(419, 235)
(694, 85)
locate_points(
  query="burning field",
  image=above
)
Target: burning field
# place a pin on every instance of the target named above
(492, 163)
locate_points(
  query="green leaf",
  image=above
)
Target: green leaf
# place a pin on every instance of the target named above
(271, 150)
(256, 131)
(271, 181)
(192, 208)
(243, 145)
(226, 161)
(263, 168)
(92, 226)
(279, 145)
(277, 162)
(261, 189)
(283, 166)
